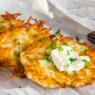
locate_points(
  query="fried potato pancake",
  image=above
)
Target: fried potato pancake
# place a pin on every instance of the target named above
(39, 67)
(16, 37)
(8, 20)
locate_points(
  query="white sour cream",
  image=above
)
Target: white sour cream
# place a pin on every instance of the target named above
(68, 60)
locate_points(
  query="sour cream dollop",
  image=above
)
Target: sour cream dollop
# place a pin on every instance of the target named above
(66, 59)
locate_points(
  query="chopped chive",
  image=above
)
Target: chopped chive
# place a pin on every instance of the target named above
(52, 45)
(35, 35)
(77, 38)
(65, 43)
(57, 32)
(85, 62)
(44, 40)
(71, 60)
(35, 19)
(47, 58)
(17, 53)
(85, 50)
(68, 52)
(60, 48)
(18, 43)
(2, 27)
(29, 57)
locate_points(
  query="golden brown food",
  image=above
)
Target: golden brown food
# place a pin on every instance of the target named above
(25, 49)
(16, 37)
(8, 20)
(39, 67)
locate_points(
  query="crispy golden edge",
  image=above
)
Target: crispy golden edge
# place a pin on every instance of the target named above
(13, 64)
(83, 77)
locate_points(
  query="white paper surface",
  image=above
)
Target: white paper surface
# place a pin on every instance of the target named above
(42, 6)
(11, 86)
(82, 11)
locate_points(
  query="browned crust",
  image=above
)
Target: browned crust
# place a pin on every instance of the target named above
(11, 31)
(63, 79)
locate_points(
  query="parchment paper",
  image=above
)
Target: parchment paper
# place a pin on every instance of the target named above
(82, 11)
(24, 86)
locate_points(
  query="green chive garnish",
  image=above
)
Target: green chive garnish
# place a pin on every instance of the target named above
(35, 35)
(44, 40)
(29, 57)
(60, 48)
(47, 58)
(71, 60)
(85, 62)
(85, 50)
(2, 27)
(77, 38)
(52, 45)
(57, 32)
(17, 53)
(65, 43)
(35, 19)
(68, 52)
(18, 43)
